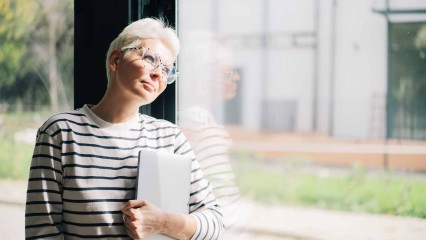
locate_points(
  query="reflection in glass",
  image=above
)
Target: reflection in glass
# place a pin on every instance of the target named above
(329, 109)
(209, 72)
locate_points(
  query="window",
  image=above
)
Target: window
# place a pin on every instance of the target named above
(407, 81)
(36, 65)
(305, 102)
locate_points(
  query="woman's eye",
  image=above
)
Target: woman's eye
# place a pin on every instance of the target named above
(149, 58)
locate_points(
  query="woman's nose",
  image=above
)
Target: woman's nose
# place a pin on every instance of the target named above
(236, 76)
(156, 74)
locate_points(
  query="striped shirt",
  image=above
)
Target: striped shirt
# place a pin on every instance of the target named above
(211, 143)
(84, 169)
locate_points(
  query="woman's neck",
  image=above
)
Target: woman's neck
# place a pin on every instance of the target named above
(114, 109)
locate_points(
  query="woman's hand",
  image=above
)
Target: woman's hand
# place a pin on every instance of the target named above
(142, 218)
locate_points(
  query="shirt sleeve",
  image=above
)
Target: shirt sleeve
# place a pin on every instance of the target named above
(43, 212)
(203, 206)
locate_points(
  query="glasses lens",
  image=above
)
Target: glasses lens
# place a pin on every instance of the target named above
(150, 59)
(169, 73)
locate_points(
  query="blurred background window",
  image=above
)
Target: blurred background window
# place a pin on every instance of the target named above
(323, 103)
(36, 81)
(36, 69)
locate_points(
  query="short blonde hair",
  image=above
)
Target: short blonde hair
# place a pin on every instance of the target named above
(136, 32)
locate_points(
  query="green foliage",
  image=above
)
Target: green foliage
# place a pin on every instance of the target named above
(16, 17)
(15, 159)
(28, 31)
(355, 190)
(15, 156)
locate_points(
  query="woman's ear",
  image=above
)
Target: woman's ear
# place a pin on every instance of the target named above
(114, 60)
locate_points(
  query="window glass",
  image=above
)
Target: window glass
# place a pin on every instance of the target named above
(406, 116)
(36, 68)
(313, 104)
(36, 81)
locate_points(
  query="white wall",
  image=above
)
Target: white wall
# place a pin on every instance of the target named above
(360, 68)
(325, 45)
(360, 58)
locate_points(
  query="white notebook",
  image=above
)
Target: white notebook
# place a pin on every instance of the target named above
(164, 179)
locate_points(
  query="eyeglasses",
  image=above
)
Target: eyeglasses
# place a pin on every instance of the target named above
(230, 75)
(151, 61)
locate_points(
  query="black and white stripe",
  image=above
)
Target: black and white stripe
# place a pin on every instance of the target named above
(84, 169)
(211, 144)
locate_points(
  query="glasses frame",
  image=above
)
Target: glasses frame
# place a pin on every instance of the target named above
(170, 78)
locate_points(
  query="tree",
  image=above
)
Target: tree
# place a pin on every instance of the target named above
(52, 46)
(16, 17)
(37, 37)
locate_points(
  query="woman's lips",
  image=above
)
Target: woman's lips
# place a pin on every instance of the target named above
(148, 86)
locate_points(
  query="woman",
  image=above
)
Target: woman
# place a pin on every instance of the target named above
(84, 164)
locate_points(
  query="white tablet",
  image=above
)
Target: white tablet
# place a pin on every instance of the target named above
(164, 179)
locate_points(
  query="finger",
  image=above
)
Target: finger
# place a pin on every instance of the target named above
(130, 223)
(142, 233)
(125, 221)
(130, 233)
(138, 233)
(130, 213)
(125, 207)
(134, 204)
